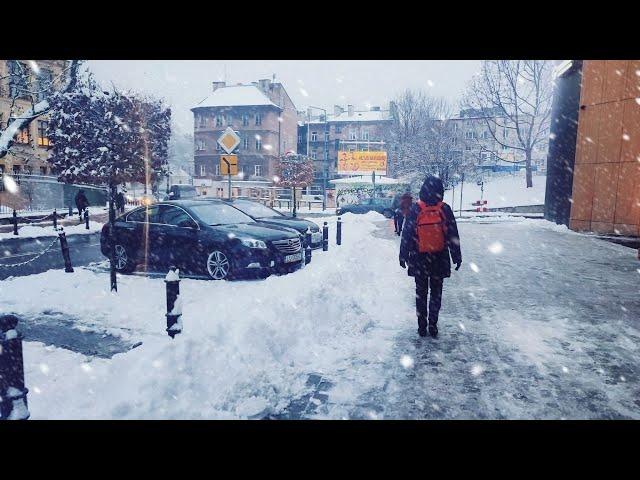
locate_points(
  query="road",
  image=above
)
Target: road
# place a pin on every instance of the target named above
(83, 250)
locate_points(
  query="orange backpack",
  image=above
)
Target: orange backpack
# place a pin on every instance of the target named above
(431, 228)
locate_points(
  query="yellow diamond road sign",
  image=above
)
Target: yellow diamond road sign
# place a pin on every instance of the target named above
(229, 140)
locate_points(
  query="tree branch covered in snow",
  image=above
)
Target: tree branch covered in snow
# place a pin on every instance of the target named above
(521, 90)
(23, 83)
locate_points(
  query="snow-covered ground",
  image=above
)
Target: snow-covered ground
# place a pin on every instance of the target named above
(506, 190)
(33, 231)
(539, 323)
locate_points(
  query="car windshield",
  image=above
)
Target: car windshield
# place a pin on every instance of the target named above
(257, 210)
(186, 192)
(220, 214)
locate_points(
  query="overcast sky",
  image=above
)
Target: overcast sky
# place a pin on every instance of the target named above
(321, 83)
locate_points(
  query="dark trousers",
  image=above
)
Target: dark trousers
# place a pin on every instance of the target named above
(80, 210)
(398, 220)
(431, 288)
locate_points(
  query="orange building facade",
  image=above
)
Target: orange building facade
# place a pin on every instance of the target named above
(606, 178)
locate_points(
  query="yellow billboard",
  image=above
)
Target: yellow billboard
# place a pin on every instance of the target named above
(359, 163)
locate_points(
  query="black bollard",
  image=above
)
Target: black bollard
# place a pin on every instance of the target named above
(70, 211)
(86, 218)
(307, 249)
(174, 303)
(65, 252)
(325, 237)
(55, 219)
(13, 394)
(15, 222)
(339, 232)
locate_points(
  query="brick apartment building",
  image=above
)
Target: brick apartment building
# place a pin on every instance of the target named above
(264, 117)
(594, 169)
(28, 155)
(344, 129)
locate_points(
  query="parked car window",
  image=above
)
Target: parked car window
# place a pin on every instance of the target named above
(256, 209)
(173, 215)
(142, 214)
(220, 214)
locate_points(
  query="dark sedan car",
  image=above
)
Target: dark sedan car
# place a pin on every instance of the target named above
(268, 216)
(202, 237)
(381, 205)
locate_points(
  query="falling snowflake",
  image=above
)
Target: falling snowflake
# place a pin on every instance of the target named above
(552, 136)
(474, 267)
(37, 390)
(304, 92)
(477, 370)
(44, 368)
(565, 369)
(34, 66)
(622, 378)
(406, 361)
(638, 100)
(495, 248)
(625, 137)
(588, 139)
(267, 147)
(462, 327)
(430, 83)
(86, 367)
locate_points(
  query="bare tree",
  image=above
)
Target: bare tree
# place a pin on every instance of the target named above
(28, 84)
(422, 139)
(518, 94)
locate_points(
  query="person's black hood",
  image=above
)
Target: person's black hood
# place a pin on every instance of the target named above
(432, 190)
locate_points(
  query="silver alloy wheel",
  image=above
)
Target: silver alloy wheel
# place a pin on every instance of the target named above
(218, 265)
(121, 257)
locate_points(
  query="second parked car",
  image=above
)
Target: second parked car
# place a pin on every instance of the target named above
(268, 216)
(203, 237)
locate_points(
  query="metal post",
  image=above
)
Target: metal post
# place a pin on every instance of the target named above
(13, 394)
(112, 261)
(86, 218)
(174, 303)
(325, 237)
(64, 246)
(373, 180)
(307, 249)
(55, 219)
(339, 232)
(15, 222)
(461, 187)
(294, 202)
(70, 211)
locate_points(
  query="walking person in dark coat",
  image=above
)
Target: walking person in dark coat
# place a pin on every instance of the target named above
(403, 206)
(120, 202)
(430, 269)
(81, 202)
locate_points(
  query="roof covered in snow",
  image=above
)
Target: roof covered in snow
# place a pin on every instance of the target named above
(366, 179)
(236, 96)
(364, 116)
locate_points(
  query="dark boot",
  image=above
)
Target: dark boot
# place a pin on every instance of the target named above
(433, 330)
(422, 332)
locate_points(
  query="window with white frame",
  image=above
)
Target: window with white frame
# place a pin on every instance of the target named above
(365, 135)
(352, 135)
(257, 170)
(245, 119)
(326, 136)
(203, 170)
(219, 120)
(470, 134)
(314, 136)
(200, 145)
(258, 144)
(258, 119)
(217, 169)
(202, 121)
(314, 154)
(326, 154)
(245, 143)
(229, 119)
(484, 135)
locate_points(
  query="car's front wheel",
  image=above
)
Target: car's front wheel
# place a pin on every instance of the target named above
(123, 260)
(218, 265)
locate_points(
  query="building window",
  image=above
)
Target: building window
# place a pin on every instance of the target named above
(203, 170)
(218, 120)
(23, 136)
(258, 119)
(338, 129)
(470, 134)
(484, 135)
(201, 145)
(258, 144)
(217, 169)
(455, 127)
(202, 121)
(505, 133)
(314, 136)
(16, 169)
(326, 154)
(326, 136)
(299, 138)
(352, 135)
(245, 119)
(314, 154)
(467, 147)
(43, 139)
(453, 140)
(365, 135)
(257, 170)
(229, 119)
(245, 143)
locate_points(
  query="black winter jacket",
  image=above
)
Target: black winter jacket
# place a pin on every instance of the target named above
(427, 264)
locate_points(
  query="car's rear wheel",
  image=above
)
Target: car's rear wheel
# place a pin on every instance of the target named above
(218, 265)
(123, 260)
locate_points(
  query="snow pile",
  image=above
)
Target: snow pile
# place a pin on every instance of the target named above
(246, 348)
(31, 231)
(500, 191)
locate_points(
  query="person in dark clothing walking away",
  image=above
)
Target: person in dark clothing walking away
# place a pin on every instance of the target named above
(406, 200)
(81, 202)
(120, 202)
(429, 243)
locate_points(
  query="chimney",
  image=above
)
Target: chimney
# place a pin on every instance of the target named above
(337, 110)
(264, 84)
(217, 85)
(350, 110)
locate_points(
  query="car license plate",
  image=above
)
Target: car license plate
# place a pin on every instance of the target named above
(296, 257)
(316, 237)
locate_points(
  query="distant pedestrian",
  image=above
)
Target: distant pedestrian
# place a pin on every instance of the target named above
(120, 201)
(406, 200)
(429, 238)
(81, 202)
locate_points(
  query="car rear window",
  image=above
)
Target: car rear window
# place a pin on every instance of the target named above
(256, 209)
